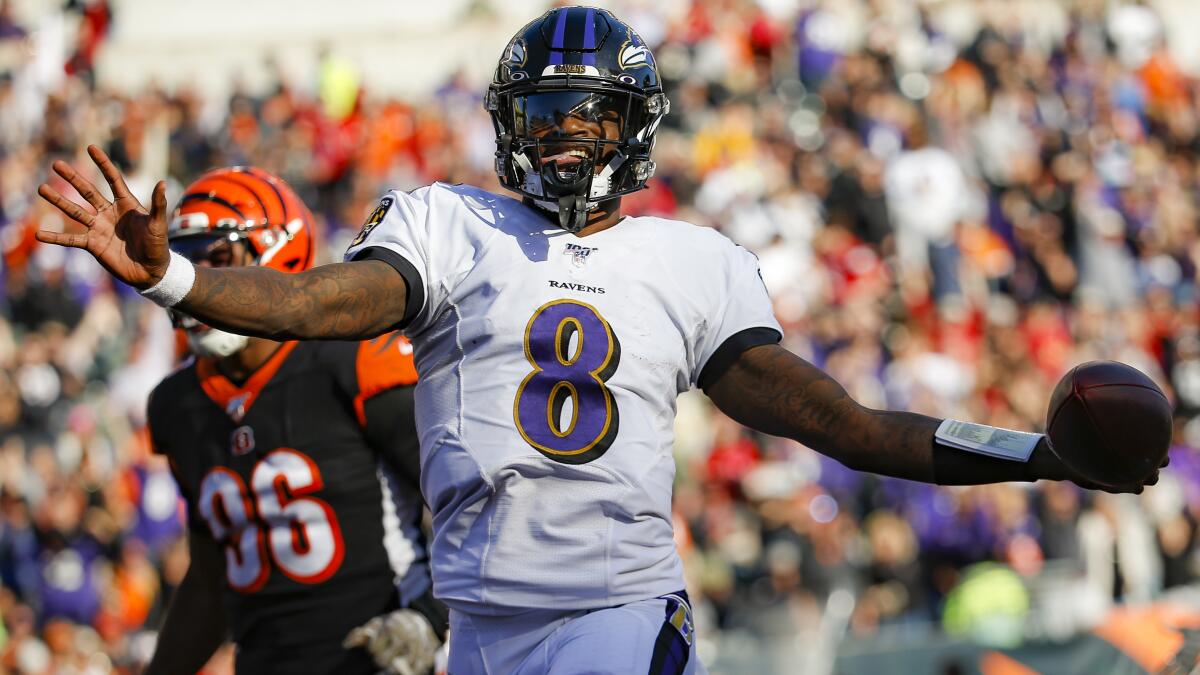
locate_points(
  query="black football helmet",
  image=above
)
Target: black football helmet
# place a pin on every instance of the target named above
(576, 101)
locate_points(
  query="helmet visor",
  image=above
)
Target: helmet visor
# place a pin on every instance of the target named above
(571, 114)
(208, 250)
(211, 250)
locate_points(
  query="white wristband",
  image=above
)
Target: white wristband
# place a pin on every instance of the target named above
(984, 440)
(175, 284)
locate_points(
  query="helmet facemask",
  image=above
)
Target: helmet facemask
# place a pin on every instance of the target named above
(223, 249)
(575, 101)
(571, 146)
(216, 343)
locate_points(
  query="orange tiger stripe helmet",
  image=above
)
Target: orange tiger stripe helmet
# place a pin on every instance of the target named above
(251, 205)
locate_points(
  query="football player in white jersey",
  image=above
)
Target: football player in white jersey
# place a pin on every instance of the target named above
(552, 336)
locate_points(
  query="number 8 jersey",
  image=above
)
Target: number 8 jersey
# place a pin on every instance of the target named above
(550, 365)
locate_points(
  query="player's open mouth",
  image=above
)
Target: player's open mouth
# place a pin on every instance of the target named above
(568, 157)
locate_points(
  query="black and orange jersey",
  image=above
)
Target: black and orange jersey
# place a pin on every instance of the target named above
(306, 474)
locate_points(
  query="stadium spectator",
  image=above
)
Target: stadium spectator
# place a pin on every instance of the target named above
(948, 219)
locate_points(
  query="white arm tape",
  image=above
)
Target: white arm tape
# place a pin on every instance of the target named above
(175, 284)
(984, 440)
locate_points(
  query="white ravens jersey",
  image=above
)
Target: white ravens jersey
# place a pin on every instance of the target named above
(549, 368)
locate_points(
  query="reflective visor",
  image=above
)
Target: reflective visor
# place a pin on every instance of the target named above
(215, 250)
(571, 114)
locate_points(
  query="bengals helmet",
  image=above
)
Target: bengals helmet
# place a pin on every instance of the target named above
(247, 204)
(576, 100)
(236, 216)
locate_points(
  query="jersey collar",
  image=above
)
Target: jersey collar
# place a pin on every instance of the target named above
(236, 400)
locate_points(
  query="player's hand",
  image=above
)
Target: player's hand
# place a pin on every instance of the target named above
(130, 242)
(402, 643)
(1045, 463)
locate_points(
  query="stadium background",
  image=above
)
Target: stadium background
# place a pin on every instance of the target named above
(953, 202)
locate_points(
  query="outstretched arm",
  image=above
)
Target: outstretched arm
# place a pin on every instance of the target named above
(776, 392)
(354, 300)
(345, 300)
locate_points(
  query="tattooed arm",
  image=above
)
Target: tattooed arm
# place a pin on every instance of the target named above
(354, 300)
(776, 392)
(346, 300)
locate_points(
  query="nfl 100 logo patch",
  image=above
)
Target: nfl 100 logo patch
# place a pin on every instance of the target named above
(579, 254)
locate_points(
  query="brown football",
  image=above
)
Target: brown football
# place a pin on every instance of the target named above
(1109, 422)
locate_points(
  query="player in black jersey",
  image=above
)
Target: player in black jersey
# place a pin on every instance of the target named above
(299, 463)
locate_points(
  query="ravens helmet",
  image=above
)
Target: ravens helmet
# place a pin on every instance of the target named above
(576, 101)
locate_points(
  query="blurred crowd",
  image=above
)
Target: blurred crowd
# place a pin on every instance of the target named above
(953, 203)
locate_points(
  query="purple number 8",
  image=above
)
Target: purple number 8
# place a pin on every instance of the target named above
(573, 352)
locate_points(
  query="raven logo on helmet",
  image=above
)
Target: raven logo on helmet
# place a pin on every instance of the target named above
(516, 53)
(634, 55)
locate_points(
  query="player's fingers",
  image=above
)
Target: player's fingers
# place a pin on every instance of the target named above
(71, 209)
(1119, 490)
(400, 666)
(1135, 489)
(1086, 484)
(83, 186)
(362, 635)
(158, 203)
(76, 240)
(381, 645)
(1166, 462)
(111, 173)
(357, 637)
(1110, 489)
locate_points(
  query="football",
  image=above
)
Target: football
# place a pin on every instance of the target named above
(1109, 422)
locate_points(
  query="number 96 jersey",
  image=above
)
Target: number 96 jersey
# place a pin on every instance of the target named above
(550, 365)
(307, 486)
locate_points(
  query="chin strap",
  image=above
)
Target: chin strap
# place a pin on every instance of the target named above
(572, 212)
(571, 194)
(572, 198)
(602, 185)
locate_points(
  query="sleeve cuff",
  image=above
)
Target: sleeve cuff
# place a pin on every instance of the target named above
(412, 279)
(732, 348)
